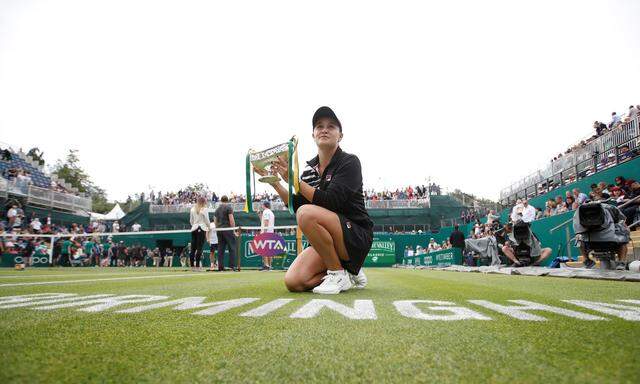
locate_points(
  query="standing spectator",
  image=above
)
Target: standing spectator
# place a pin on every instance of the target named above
(615, 120)
(135, 227)
(156, 257)
(457, 238)
(65, 252)
(199, 219)
(267, 224)
(528, 211)
(184, 256)
(516, 212)
(27, 252)
(36, 225)
(116, 227)
(11, 215)
(168, 257)
(88, 246)
(226, 239)
(122, 254)
(633, 111)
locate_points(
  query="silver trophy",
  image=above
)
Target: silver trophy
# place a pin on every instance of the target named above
(265, 159)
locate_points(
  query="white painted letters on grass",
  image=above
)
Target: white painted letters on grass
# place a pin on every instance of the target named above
(267, 308)
(409, 309)
(193, 303)
(520, 311)
(26, 300)
(101, 304)
(627, 312)
(362, 309)
(434, 310)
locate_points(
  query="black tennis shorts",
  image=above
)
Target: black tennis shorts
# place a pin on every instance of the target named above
(358, 241)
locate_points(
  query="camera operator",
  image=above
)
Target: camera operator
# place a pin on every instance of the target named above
(522, 246)
(601, 228)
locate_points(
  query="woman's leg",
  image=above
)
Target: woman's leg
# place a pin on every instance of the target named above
(192, 251)
(306, 271)
(199, 244)
(323, 230)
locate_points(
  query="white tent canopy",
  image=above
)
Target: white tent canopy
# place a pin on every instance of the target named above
(115, 214)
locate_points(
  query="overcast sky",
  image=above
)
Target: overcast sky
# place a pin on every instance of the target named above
(161, 94)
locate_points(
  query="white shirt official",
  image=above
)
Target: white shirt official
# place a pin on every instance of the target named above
(268, 221)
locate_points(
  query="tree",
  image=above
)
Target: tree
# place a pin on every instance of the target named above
(71, 172)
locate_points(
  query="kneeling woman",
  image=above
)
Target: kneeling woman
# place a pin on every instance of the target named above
(331, 213)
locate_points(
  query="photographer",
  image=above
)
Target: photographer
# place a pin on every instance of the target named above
(523, 247)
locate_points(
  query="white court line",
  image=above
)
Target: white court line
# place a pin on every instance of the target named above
(129, 273)
(92, 280)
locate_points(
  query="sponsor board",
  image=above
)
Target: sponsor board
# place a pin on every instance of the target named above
(268, 244)
(382, 253)
(9, 260)
(362, 309)
(443, 258)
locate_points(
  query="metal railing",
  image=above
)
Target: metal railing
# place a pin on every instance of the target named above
(280, 206)
(45, 197)
(612, 148)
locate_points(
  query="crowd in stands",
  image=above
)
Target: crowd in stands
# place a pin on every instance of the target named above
(617, 194)
(406, 193)
(189, 194)
(601, 129)
(432, 246)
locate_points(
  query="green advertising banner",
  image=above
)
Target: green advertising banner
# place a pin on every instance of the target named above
(10, 260)
(382, 253)
(443, 258)
(250, 259)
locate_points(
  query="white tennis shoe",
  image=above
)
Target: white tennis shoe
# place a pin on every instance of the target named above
(359, 281)
(334, 282)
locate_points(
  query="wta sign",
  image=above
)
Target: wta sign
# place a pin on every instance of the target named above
(268, 244)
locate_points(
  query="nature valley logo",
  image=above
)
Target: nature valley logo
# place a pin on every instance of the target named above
(384, 245)
(268, 244)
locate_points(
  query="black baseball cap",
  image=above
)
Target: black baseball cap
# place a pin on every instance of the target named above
(325, 112)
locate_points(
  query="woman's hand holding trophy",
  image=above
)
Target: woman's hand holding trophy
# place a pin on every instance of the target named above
(279, 166)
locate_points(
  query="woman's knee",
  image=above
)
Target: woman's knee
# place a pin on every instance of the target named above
(305, 215)
(294, 283)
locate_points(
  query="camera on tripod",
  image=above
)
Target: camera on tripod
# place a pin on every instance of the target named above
(601, 231)
(522, 247)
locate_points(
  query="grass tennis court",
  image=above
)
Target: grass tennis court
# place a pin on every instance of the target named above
(169, 345)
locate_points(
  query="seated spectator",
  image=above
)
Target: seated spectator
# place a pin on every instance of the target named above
(604, 188)
(433, 246)
(624, 153)
(623, 183)
(571, 203)
(550, 208)
(597, 194)
(618, 194)
(631, 211)
(579, 197)
(491, 216)
(561, 206)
